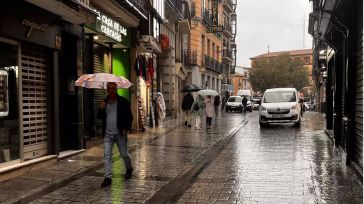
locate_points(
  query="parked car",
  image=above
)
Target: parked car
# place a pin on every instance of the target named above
(280, 105)
(307, 105)
(256, 103)
(244, 92)
(234, 103)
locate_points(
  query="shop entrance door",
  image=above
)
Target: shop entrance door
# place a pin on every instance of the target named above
(68, 106)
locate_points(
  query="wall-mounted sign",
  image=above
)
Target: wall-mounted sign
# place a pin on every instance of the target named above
(215, 28)
(215, 12)
(110, 27)
(32, 25)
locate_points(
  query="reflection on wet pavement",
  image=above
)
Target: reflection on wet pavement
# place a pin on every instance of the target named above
(155, 162)
(280, 164)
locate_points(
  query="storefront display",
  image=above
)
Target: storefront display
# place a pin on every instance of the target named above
(145, 71)
(4, 98)
(9, 118)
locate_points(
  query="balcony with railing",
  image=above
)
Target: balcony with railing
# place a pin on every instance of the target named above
(137, 7)
(229, 5)
(227, 55)
(212, 64)
(176, 8)
(228, 30)
(189, 57)
(207, 17)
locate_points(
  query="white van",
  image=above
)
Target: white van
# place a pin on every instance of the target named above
(243, 92)
(280, 105)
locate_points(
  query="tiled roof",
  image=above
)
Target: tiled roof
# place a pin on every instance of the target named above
(290, 52)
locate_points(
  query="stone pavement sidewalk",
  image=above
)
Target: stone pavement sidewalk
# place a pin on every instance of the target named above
(38, 182)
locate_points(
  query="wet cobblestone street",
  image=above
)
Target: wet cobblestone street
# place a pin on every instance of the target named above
(234, 162)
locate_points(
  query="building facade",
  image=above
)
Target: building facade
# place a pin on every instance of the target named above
(337, 29)
(241, 79)
(42, 48)
(175, 33)
(46, 46)
(210, 55)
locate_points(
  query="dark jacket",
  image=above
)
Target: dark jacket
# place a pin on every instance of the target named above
(187, 102)
(124, 115)
(244, 101)
(217, 101)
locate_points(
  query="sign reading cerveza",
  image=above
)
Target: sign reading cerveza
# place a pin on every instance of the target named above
(214, 28)
(110, 27)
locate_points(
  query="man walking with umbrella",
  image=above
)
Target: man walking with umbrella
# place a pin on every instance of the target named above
(117, 118)
(186, 108)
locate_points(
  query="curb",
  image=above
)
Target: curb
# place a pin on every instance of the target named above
(185, 179)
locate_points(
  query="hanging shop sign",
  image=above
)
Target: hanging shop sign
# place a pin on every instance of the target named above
(109, 27)
(214, 28)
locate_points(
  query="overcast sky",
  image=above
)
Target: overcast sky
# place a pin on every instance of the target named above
(277, 23)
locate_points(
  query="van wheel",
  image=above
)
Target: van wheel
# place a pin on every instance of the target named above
(263, 125)
(298, 124)
(226, 110)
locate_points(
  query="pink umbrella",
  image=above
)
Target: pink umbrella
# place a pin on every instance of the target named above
(99, 81)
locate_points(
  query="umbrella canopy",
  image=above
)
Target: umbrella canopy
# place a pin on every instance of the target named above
(207, 92)
(191, 88)
(99, 81)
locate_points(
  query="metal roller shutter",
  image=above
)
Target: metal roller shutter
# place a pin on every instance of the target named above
(101, 65)
(34, 101)
(358, 141)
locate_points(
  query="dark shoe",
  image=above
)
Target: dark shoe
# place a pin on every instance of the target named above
(185, 123)
(128, 173)
(106, 182)
(189, 125)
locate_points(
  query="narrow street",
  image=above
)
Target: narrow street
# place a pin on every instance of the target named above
(234, 162)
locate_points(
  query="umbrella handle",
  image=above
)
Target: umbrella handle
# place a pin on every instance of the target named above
(103, 88)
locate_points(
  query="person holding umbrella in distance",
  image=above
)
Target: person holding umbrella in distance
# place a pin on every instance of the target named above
(188, 101)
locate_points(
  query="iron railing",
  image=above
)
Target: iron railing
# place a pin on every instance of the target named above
(177, 4)
(212, 64)
(207, 17)
(228, 27)
(189, 57)
(140, 5)
(227, 53)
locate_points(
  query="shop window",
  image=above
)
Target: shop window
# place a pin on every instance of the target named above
(9, 119)
(156, 29)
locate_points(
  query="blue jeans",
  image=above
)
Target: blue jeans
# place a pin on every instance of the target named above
(122, 143)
